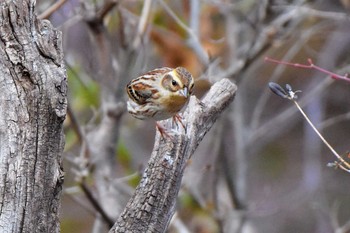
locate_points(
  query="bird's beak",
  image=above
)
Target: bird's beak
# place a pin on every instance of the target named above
(184, 92)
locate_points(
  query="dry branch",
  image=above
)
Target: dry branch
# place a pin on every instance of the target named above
(153, 203)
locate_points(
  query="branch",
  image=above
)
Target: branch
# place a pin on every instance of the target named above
(193, 40)
(311, 65)
(106, 8)
(144, 19)
(33, 102)
(47, 13)
(95, 203)
(153, 203)
(289, 94)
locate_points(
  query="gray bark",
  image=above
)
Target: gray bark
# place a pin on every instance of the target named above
(32, 110)
(153, 203)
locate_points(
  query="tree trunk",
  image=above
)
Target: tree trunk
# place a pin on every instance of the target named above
(33, 104)
(153, 203)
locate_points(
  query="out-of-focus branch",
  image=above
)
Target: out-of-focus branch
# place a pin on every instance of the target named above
(153, 203)
(95, 203)
(264, 39)
(334, 120)
(308, 11)
(101, 140)
(193, 38)
(292, 51)
(49, 11)
(142, 23)
(337, 228)
(106, 8)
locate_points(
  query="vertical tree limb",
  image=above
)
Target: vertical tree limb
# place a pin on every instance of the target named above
(33, 107)
(153, 203)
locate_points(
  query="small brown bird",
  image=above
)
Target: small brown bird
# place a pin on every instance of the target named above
(159, 94)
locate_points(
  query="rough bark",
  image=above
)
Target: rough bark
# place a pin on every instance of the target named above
(32, 110)
(153, 203)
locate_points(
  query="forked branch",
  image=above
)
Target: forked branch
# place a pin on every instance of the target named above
(311, 65)
(153, 204)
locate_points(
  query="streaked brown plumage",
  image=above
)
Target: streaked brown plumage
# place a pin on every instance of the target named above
(159, 94)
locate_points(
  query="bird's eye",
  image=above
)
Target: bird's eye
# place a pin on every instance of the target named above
(174, 83)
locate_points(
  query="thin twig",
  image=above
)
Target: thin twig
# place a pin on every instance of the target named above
(49, 11)
(311, 65)
(294, 49)
(106, 8)
(75, 124)
(289, 94)
(320, 135)
(310, 12)
(334, 120)
(96, 204)
(142, 22)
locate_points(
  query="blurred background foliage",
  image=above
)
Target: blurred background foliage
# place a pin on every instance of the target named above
(261, 168)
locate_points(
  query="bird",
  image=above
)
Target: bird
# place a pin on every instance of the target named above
(160, 94)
